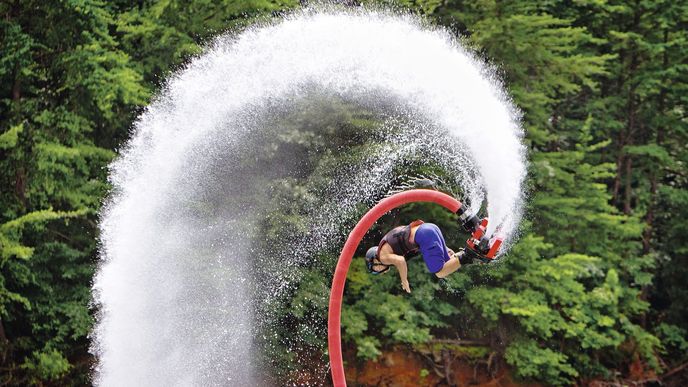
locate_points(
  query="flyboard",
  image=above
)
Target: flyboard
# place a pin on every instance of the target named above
(478, 245)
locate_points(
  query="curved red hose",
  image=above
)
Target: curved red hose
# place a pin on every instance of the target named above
(334, 339)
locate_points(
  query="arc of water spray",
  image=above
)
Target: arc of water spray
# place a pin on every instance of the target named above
(165, 319)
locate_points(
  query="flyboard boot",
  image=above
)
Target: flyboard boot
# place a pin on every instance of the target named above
(478, 246)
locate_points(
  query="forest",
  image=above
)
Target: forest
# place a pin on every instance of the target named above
(592, 293)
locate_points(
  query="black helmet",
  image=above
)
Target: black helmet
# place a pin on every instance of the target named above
(371, 256)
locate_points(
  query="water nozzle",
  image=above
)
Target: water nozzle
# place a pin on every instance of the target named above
(468, 220)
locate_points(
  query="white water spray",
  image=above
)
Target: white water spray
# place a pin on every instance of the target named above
(173, 289)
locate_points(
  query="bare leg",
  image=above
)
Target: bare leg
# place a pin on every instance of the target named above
(449, 267)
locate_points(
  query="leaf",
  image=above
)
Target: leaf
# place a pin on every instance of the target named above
(656, 152)
(10, 232)
(9, 138)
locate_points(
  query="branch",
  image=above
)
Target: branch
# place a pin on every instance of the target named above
(675, 370)
(466, 343)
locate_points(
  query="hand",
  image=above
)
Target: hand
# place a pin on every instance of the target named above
(406, 286)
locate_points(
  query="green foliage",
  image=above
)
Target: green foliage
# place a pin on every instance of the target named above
(543, 57)
(421, 7)
(673, 339)
(566, 299)
(584, 126)
(46, 365)
(379, 309)
(68, 101)
(162, 35)
(578, 290)
(9, 138)
(595, 281)
(10, 232)
(533, 362)
(570, 196)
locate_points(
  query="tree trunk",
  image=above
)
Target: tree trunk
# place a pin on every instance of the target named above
(16, 85)
(659, 140)
(16, 90)
(628, 189)
(3, 336)
(631, 113)
(20, 185)
(20, 174)
(617, 177)
(650, 216)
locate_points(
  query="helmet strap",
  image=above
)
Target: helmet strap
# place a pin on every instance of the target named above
(372, 263)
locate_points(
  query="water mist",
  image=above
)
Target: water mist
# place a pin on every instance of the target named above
(175, 289)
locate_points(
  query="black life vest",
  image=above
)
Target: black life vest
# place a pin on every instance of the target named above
(398, 240)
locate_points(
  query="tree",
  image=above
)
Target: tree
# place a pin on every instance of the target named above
(69, 94)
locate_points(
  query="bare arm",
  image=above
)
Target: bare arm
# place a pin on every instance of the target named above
(399, 262)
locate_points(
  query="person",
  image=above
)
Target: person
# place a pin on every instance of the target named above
(409, 240)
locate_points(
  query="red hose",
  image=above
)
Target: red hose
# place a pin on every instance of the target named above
(334, 339)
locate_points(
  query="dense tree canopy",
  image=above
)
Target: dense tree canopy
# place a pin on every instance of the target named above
(593, 290)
